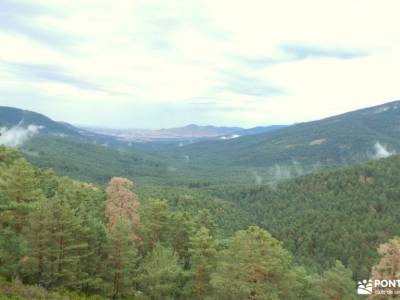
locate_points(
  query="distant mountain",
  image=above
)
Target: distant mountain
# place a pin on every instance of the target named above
(73, 151)
(226, 154)
(190, 133)
(351, 137)
(19, 120)
(11, 117)
(259, 130)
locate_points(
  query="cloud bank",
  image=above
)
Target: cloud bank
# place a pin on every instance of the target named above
(154, 64)
(381, 151)
(17, 135)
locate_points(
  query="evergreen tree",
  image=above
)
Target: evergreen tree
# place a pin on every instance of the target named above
(66, 245)
(20, 189)
(337, 283)
(180, 230)
(254, 266)
(122, 259)
(36, 264)
(122, 203)
(205, 219)
(203, 258)
(159, 273)
(388, 266)
(156, 222)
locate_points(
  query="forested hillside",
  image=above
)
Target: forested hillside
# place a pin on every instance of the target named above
(65, 239)
(295, 150)
(352, 137)
(342, 214)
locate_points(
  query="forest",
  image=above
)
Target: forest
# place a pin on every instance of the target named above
(66, 239)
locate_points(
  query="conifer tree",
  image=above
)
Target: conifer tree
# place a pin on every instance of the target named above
(159, 273)
(36, 264)
(203, 256)
(337, 283)
(205, 219)
(156, 222)
(389, 265)
(122, 259)
(67, 246)
(122, 203)
(19, 192)
(181, 228)
(254, 266)
(20, 189)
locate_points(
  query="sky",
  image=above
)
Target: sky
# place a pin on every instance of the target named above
(168, 63)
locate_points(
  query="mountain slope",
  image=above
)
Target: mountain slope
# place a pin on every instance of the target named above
(189, 133)
(347, 138)
(342, 214)
(10, 117)
(75, 152)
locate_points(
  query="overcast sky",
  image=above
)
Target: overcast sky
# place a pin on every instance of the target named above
(152, 64)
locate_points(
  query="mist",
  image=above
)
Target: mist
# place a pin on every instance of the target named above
(381, 151)
(17, 135)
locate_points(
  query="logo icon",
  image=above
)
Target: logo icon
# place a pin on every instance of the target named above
(364, 287)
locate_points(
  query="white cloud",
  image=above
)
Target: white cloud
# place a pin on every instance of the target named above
(255, 63)
(17, 135)
(381, 151)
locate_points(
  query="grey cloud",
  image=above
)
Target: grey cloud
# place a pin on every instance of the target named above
(161, 21)
(248, 85)
(299, 51)
(39, 72)
(20, 17)
(15, 7)
(295, 52)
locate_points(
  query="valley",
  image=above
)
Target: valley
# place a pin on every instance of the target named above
(297, 182)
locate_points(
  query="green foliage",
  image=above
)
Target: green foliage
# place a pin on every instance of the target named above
(254, 266)
(103, 162)
(159, 273)
(155, 220)
(58, 245)
(337, 283)
(54, 234)
(337, 215)
(122, 259)
(203, 259)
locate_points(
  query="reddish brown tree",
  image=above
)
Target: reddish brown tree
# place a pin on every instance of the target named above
(389, 266)
(122, 203)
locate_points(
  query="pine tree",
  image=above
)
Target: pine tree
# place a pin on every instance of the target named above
(254, 266)
(205, 219)
(159, 273)
(122, 259)
(122, 202)
(66, 245)
(156, 222)
(19, 193)
(20, 190)
(203, 255)
(389, 265)
(181, 228)
(36, 264)
(337, 283)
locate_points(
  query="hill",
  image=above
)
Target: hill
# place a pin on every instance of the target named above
(291, 151)
(351, 137)
(11, 117)
(342, 214)
(190, 133)
(73, 151)
(66, 239)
